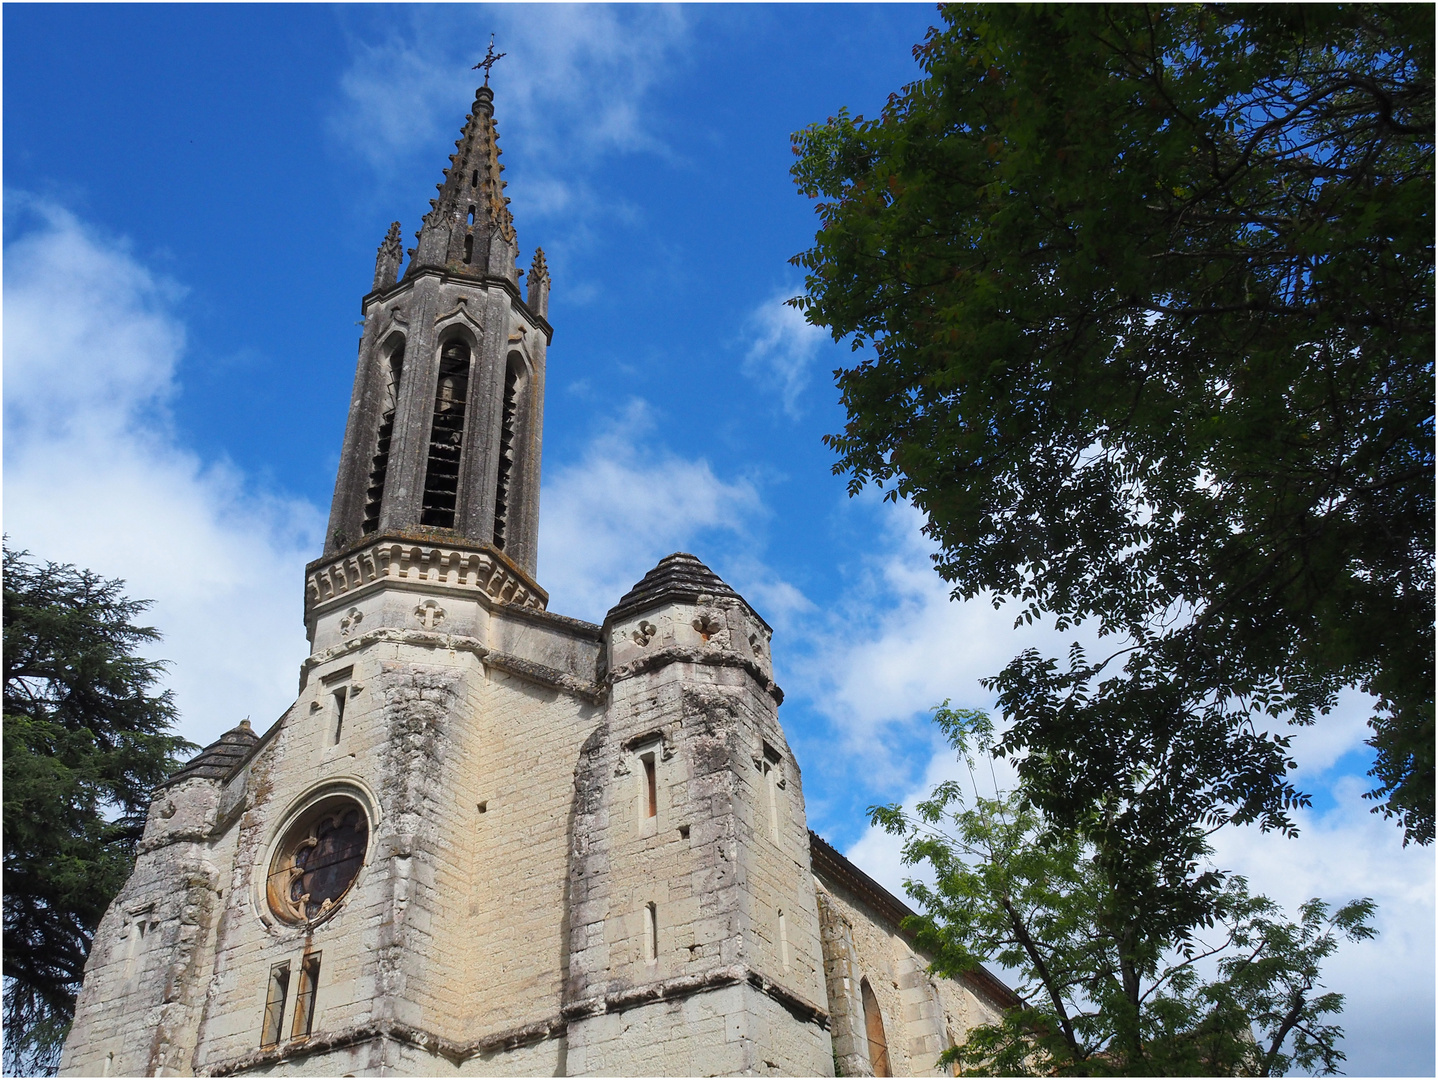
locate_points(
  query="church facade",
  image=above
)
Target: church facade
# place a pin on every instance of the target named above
(486, 838)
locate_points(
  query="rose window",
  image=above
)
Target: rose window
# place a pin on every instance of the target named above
(318, 860)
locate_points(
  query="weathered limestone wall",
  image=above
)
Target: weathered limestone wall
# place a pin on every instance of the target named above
(682, 906)
(146, 977)
(454, 930)
(923, 1015)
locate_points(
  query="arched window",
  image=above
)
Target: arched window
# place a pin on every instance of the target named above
(469, 247)
(506, 451)
(379, 464)
(446, 437)
(874, 1028)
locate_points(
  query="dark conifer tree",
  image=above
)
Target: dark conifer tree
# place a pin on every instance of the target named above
(86, 738)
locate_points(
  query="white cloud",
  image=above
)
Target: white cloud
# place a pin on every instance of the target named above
(782, 353)
(1339, 856)
(894, 645)
(572, 85)
(627, 502)
(94, 475)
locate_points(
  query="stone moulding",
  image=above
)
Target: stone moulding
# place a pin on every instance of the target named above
(594, 693)
(457, 1053)
(406, 283)
(683, 986)
(684, 654)
(483, 571)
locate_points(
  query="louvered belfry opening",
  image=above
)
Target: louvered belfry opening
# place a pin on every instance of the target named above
(446, 437)
(506, 452)
(379, 465)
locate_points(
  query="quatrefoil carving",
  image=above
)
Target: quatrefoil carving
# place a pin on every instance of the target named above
(352, 619)
(645, 634)
(707, 625)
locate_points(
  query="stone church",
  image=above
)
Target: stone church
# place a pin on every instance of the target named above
(487, 838)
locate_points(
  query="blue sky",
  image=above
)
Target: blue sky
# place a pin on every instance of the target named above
(193, 199)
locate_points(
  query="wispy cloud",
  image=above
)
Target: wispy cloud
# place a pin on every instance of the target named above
(572, 89)
(626, 503)
(781, 357)
(893, 645)
(94, 475)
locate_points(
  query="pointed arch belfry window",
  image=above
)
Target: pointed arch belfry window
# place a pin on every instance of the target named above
(446, 436)
(505, 475)
(379, 463)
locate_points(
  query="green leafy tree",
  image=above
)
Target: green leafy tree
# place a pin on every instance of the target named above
(1113, 977)
(86, 739)
(1143, 297)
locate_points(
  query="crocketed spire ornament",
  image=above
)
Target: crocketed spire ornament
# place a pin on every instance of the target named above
(386, 263)
(539, 285)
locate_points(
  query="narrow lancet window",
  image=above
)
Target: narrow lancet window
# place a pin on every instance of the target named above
(379, 466)
(874, 1029)
(650, 794)
(651, 934)
(469, 248)
(305, 999)
(772, 777)
(275, 1003)
(783, 940)
(446, 437)
(506, 453)
(340, 695)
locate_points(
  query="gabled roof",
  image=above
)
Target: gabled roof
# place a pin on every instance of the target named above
(218, 760)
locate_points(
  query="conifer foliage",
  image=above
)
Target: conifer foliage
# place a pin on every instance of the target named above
(86, 739)
(1142, 298)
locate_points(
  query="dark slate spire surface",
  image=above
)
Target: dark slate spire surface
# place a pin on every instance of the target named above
(216, 761)
(679, 577)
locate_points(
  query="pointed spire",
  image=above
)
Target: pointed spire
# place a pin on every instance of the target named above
(539, 285)
(469, 230)
(386, 263)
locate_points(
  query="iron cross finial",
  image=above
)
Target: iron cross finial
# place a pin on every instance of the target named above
(490, 59)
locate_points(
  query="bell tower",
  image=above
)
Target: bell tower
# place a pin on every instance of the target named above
(443, 439)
